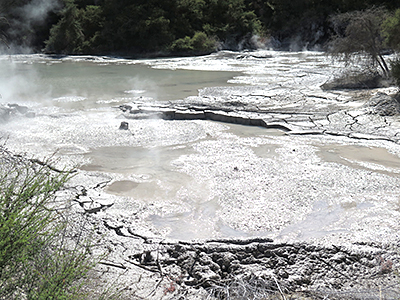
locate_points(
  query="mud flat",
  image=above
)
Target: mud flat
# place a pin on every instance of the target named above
(269, 187)
(306, 207)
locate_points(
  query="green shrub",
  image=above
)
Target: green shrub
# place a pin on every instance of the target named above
(199, 43)
(38, 257)
(391, 30)
(67, 35)
(182, 45)
(358, 35)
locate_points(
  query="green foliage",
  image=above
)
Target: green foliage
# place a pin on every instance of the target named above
(92, 21)
(199, 43)
(182, 45)
(38, 259)
(153, 26)
(67, 35)
(3, 37)
(391, 30)
(78, 30)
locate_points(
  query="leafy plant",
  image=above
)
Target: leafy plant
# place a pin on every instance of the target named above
(3, 37)
(39, 257)
(391, 30)
(199, 43)
(67, 35)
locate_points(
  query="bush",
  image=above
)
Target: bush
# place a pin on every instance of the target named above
(199, 43)
(391, 30)
(3, 37)
(182, 45)
(38, 259)
(67, 35)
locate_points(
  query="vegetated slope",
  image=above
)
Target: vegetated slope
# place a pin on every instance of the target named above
(170, 26)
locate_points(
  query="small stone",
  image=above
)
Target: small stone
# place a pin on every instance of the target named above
(124, 126)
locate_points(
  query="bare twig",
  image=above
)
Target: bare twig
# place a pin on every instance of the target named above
(120, 266)
(279, 288)
(142, 267)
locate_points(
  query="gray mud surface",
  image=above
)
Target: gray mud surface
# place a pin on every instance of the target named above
(331, 208)
(269, 189)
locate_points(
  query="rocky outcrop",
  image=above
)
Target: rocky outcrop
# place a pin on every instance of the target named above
(229, 269)
(297, 120)
(355, 81)
(384, 105)
(9, 110)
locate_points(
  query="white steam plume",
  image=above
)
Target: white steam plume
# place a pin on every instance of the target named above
(32, 14)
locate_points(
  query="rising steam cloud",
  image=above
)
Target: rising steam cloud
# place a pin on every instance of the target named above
(37, 10)
(24, 20)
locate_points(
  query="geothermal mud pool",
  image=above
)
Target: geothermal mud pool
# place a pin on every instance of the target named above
(232, 145)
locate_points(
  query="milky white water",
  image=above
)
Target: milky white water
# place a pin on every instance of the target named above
(83, 83)
(197, 179)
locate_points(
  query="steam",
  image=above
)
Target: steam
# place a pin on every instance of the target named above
(26, 18)
(37, 10)
(17, 84)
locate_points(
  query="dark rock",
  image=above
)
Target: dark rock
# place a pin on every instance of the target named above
(19, 108)
(256, 262)
(354, 81)
(186, 115)
(4, 114)
(124, 126)
(125, 107)
(384, 105)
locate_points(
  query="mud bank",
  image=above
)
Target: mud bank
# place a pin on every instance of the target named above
(149, 267)
(256, 268)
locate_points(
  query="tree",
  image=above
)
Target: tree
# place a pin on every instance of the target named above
(391, 30)
(3, 36)
(359, 35)
(200, 43)
(67, 35)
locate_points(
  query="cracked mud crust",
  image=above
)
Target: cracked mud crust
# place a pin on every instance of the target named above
(376, 119)
(148, 267)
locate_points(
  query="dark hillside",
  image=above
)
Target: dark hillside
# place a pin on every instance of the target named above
(170, 27)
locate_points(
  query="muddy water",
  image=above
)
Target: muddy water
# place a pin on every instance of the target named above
(250, 181)
(89, 82)
(363, 157)
(150, 171)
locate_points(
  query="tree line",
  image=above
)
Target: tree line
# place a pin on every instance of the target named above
(132, 27)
